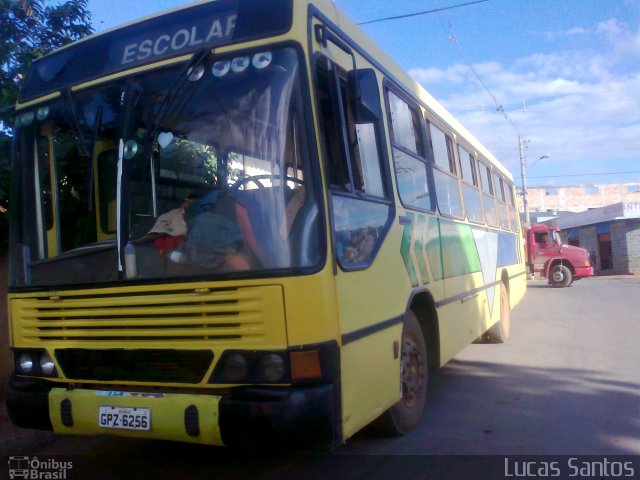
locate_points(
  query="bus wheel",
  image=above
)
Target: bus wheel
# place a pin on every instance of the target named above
(414, 368)
(499, 333)
(560, 276)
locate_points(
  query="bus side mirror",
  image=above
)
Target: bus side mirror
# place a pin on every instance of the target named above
(363, 87)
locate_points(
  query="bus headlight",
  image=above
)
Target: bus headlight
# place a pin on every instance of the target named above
(46, 364)
(271, 367)
(235, 367)
(25, 363)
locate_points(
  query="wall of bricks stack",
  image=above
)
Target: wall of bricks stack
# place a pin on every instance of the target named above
(580, 198)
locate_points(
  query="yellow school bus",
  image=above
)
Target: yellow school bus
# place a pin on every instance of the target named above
(239, 221)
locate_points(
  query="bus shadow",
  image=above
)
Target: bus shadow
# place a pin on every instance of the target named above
(487, 408)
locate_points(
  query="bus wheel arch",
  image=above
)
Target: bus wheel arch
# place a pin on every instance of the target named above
(419, 354)
(423, 306)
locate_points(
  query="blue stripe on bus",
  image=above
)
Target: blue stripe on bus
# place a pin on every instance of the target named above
(507, 249)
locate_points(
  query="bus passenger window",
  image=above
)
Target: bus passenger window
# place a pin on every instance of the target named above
(406, 125)
(408, 154)
(489, 203)
(445, 173)
(355, 167)
(470, 184)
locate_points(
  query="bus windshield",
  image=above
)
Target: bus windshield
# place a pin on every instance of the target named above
(189, 170)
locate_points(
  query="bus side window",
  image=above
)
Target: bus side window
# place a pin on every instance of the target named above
(353, 159)
(354, 173)
(408, 154)
(489, 203)
(470, 186)
(445, 173)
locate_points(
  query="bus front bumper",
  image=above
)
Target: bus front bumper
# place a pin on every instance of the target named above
(248, 416)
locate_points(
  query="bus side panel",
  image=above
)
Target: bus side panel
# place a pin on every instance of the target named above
(463, 320)
(371, 303)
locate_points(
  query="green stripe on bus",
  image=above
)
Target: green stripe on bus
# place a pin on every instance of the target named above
(405, 250)
(419, 250)
(434, 252)
(459, 252)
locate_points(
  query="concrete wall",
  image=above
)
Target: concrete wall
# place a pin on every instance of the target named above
(625, 245)
(589, 240)
(633, 245)
(619, 247)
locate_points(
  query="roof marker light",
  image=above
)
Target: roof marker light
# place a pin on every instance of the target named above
(221, 68)
(262, 60)
(239, 64)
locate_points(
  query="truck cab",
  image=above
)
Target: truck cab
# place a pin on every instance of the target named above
(547, 257)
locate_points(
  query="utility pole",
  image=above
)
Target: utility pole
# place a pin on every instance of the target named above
(523, 175)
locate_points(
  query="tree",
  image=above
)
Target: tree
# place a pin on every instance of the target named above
(28, 30)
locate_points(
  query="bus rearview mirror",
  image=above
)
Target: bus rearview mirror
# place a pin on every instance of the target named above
(363, 86)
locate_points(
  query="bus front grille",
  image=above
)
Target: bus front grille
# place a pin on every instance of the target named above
(140, 365)
(228, 316)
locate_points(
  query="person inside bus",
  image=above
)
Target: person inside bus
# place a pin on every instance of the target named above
(220, 235)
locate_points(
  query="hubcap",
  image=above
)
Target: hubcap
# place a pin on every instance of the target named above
(412, 371)
(558, 276)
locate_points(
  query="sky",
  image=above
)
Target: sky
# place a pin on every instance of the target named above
(563, 74)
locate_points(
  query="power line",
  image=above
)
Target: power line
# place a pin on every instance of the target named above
(384, 19)
(583, 174)
(454, 40)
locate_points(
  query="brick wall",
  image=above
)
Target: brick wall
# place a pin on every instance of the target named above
(579, 198)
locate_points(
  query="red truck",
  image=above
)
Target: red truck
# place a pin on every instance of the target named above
(548, 257)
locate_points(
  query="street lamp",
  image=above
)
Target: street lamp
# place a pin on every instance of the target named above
(523, 175)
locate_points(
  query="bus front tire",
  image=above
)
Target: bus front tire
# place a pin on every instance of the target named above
(414, 368)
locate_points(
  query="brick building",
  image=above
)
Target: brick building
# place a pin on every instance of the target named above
(580, 198)
(611, 232)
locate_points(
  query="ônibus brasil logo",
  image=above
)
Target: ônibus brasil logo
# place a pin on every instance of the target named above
(36, 469)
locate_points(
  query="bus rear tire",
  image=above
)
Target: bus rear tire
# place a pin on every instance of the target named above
(499, 333)
(414, 371)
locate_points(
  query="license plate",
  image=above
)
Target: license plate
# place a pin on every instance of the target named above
(125, 418)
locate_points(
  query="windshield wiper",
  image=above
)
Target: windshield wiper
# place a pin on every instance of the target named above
(76, 123)
(168, 105)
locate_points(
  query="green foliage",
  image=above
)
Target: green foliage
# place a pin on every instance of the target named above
(29, 29)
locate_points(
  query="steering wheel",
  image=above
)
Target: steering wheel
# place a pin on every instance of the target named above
(256, 179)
